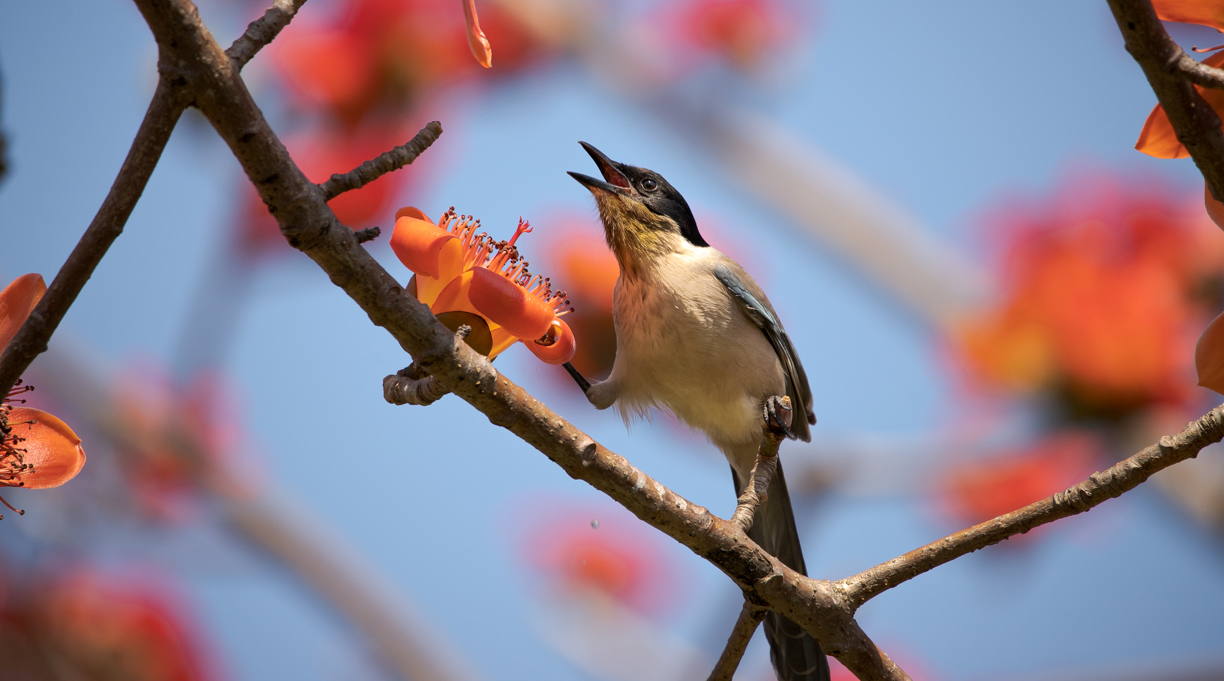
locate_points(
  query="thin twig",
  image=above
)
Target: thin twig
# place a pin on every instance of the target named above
(749, 619)
(31, 340)
(367, 234)
(1123, 477)
(392, 160)
(263, 30)
(758, 481)
(1164, 64)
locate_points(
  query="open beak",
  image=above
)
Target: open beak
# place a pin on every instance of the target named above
(616, 181)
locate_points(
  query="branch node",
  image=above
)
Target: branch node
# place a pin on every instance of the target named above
(367, 234)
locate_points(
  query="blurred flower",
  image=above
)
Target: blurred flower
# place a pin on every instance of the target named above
(618, 559)
(1103, 289)
(99, 628)
(180, 441)
(388, 54)
(37, 450)
(590, 271)
(468, 279)
(982, 489)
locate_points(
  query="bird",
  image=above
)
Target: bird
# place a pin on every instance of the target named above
(696, 336)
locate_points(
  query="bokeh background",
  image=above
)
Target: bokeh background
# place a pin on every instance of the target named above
(992, 292)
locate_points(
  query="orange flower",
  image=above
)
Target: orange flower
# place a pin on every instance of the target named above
(1206, 12)
(468, 279)
(1100, 297)
(37, 450)
(982, 489)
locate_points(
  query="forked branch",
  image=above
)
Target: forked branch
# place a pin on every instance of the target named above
(1122, 477)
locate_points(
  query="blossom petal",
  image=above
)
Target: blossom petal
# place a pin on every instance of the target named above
(480, 338)
(1205, 12)
(1209, 356)
(477, 41)
(418, 243)
(50, 447)
(560, 351)
(1158, 137)
(412, 212)
(16, 302)
(503, 302)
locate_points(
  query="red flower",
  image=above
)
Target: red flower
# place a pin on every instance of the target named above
(1100, 296)
(37, 450)
(616, 557)
(985, 488)
(468, 279)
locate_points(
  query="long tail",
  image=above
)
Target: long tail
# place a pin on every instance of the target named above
(795, 654)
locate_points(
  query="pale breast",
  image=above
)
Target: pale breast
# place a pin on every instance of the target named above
(684, 345)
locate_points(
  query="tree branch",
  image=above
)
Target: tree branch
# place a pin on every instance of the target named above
(263, 30)
(749, 619)
(1165, 65)
(31, 340)
(392, 160)
(1123, 477)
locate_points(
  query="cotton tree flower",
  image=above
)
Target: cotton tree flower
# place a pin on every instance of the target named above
(37, 450)
(469, 279)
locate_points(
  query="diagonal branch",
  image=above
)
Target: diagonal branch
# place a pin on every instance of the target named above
(392, 160)
(263, 30)
(1123, 477)
(1164, 64)
(749, 619)
(31, 340)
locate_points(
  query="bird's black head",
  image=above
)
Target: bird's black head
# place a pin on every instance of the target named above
(639, 208)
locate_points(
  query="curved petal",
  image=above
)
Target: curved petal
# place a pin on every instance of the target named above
(412, 212)
(1205, 12)
(16, 302)
(560, 351)
(505, 303)
(50, 447)
(1158, 137)
(418, 243)
(477, 42)
(455, 296)
(502, 339)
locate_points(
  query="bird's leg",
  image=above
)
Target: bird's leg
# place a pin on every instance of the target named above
(578, 378)
(778, 415)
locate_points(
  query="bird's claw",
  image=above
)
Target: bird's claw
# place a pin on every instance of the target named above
(778, 415)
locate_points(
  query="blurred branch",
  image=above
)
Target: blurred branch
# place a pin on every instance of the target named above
(759, 477)
(279, 526)
(749, 619)
(263, 30)
(31, 340)
(408, 645)
(1123, 477)
(1165, 65)
(390, 161)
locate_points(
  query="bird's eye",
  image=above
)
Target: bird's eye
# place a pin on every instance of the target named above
(649, 185)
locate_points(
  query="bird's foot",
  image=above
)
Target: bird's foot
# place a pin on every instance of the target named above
(778, 416)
